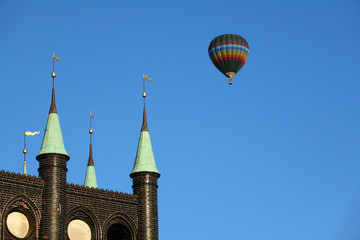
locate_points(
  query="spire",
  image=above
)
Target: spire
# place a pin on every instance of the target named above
(91, 160)
(90, 177)
(144, 126)
(53, 106)
(144, 161)
(53, 140)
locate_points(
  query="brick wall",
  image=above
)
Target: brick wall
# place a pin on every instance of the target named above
(134, 217)
(20, 193)
(101, 209)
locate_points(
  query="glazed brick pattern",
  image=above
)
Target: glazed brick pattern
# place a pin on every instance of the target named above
(99, 208)
(50, 204)
(145, 187)
(102, 208)
(52, 169)
(20, 193)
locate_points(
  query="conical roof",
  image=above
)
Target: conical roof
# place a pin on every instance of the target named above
(90, 177)
(53, 140)
(144, 161)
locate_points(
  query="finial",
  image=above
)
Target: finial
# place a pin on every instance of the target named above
(27, 133)
(53, 74)
(144, 93)
(91, 130)
(144, 126)
(24, 151)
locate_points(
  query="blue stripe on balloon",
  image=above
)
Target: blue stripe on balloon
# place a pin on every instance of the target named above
(228, 46)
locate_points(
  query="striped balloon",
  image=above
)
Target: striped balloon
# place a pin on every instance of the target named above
(229, 53)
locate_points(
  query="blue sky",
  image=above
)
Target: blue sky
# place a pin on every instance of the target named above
(274, 156)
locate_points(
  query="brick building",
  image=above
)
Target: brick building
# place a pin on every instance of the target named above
(47, 207)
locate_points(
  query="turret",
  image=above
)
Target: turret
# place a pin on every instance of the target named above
(52, 169)
(145, 175)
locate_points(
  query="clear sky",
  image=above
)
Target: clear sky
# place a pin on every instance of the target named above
(274, 156)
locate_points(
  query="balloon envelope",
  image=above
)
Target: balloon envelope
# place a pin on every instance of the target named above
(229, 53)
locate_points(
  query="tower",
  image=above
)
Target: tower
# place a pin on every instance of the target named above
(52, 169)
(145, 175)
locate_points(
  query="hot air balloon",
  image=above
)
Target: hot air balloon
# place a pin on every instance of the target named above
(229, 53)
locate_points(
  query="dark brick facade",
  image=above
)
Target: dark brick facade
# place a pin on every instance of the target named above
(101, 209)
(50, 204)
(23, 194)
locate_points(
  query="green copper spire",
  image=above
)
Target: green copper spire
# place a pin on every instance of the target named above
(53, 140)
(90, 177)
(144, 161)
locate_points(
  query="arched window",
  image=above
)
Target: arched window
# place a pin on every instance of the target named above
(118, 232)
(21, 219)
(18, 224)
(82, 224)
(79, 230)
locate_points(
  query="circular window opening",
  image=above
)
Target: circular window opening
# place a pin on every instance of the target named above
(18, 224)
(79, 230)
(118, 232)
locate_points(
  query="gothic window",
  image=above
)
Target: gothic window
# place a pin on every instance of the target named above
(21, 219)
(18, 224)
(118, 232)
(79, 230)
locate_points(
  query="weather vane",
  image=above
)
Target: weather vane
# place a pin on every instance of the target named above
(144, 93)
(27, 133)
(91, 130)
(53, 74)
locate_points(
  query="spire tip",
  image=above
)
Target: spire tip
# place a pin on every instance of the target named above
(91, 160)
(144, 126)
(53, 106)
